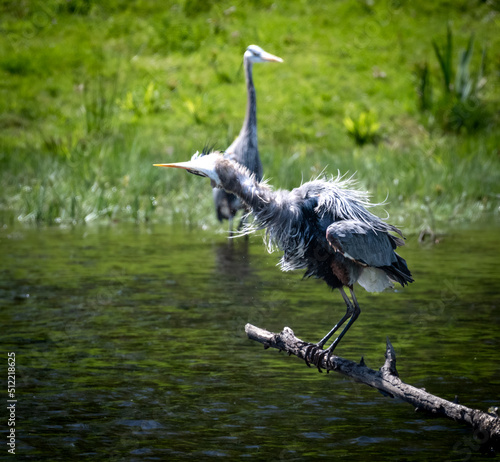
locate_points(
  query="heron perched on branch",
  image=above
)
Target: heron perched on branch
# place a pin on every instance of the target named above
(323, 226)
(244, 148)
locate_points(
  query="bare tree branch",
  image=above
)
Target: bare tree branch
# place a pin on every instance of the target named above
(486, 427)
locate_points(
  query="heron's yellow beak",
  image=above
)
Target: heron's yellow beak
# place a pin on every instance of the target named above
(184, 165)
(269, 57)
(199, 165)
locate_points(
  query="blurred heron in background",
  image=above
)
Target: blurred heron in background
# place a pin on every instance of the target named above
(244, 149)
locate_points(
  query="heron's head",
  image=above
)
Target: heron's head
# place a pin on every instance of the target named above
(201, 165)
(256, 54)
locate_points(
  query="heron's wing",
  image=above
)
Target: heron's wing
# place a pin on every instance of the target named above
(357, 241)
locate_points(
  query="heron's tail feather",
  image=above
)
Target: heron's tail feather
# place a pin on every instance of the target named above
(398, 271)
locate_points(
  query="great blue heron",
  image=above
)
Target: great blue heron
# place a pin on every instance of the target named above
(322, 226)
(244, 148)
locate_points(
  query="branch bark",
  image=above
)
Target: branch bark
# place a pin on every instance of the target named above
(486, 426)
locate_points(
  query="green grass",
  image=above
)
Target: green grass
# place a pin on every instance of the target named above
(91, 96)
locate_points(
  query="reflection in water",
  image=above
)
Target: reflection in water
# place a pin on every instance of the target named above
(234, 276)
(131, 345)
(232, 258)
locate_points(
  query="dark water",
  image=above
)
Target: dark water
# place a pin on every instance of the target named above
(129, 345)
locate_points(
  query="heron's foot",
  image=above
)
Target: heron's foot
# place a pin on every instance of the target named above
(311, 353)
(323, 355)
(308, 346)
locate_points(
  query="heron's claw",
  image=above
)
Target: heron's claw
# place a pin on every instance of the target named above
(324, 355)
(318, 360)
(307, 353)
(311, 353)
(314, 354)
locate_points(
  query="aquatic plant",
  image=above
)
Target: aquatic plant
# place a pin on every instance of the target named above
(461, 106)
(364, 129)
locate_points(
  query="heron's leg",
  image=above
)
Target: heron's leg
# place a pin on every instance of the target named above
(350, 310)
(348, 314)
(356, 310)
(230, 220)
(242, 222)
(354, 315)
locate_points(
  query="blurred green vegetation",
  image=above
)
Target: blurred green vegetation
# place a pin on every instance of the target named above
(363, 129)
(93, 94)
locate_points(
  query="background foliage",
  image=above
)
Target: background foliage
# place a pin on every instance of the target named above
(93, 94)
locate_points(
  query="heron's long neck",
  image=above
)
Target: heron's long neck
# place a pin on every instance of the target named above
(249, 128)
(271, 209)
(237, 179)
